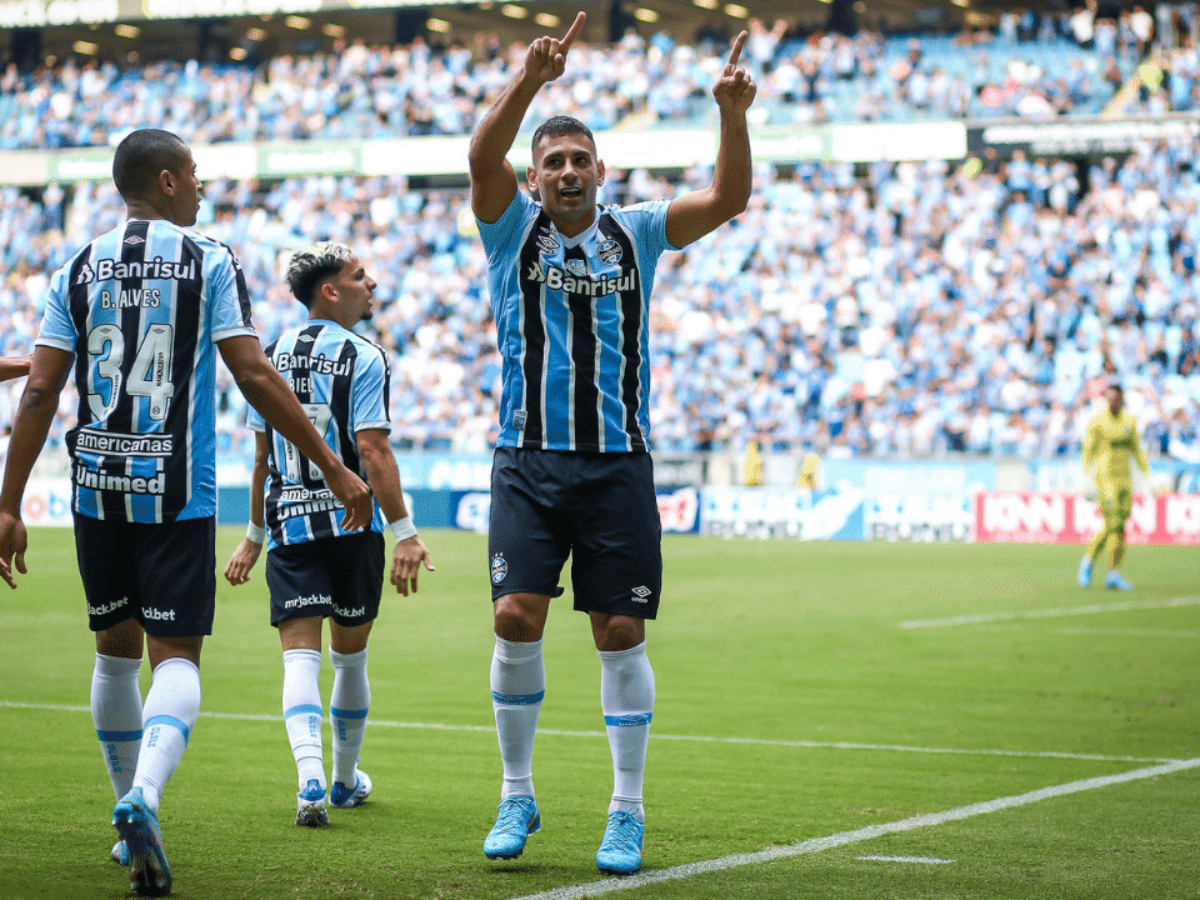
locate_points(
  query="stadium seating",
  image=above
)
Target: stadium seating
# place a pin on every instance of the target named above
(909, 309)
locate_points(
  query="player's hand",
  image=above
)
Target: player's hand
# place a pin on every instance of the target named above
(355, 496)
(547, 57)
(13, 541)
(735, 89)
(407, 557)
(237, 571)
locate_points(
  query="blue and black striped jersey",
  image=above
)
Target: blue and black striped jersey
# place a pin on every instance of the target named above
(142, 308)
(572, 322)
(342, 381)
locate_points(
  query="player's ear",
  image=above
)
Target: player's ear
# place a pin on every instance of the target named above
(531, 179)
(599, 171)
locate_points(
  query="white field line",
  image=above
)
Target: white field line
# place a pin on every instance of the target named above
(926, 860)
(1109, 632)
(985, 618)
(816, 845)
(812, 745)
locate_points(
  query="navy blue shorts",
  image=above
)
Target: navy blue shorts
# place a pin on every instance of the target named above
(164, 575)
(597, 508)
(336, 577)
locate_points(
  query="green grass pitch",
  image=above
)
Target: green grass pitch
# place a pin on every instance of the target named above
(805, 690)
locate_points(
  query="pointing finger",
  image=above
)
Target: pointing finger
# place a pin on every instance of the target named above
(738, 43)
(576, 27)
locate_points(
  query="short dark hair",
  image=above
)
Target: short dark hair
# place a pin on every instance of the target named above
(557, 126)
(1114, 386)
(312, 265)
(141, 156)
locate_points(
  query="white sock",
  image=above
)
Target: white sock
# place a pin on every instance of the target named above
(172, 707)
(302, 712)
(117, 715)
(518, 686)
(627, 701)
(348, 705)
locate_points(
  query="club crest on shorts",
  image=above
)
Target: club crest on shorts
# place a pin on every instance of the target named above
(499, 568)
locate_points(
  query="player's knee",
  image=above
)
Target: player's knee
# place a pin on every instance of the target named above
(620, 633)
(514, 621)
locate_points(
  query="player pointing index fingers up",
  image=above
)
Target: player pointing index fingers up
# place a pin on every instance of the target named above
(570, 286)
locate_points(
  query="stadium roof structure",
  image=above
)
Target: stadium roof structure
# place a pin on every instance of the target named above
(138, 31)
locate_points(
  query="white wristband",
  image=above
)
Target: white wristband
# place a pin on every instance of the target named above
(255, 533)
(403, 529)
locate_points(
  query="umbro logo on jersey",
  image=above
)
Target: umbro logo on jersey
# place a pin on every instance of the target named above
(135, 239)
(306, 338)
(641, 594)
(547, 242)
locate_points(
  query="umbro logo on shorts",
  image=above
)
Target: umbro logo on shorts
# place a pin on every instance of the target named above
(640, 594)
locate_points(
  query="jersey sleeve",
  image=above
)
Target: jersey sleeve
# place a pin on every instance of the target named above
(498, 236)
(369, 396)
(255, 421)
(229, 296)
(57, 329)
(649, 220)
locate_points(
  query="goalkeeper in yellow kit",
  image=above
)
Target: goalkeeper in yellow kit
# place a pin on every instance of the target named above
(1111, 439)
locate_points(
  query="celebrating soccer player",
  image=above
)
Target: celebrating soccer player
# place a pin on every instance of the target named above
(570, 289)
(140, 311)
(315, 569)
(1112, 438)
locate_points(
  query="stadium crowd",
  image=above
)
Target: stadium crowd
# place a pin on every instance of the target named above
(909, 309)
(1033, 66)
(916, 309)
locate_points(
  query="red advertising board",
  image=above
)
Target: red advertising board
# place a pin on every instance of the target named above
(1042, 518)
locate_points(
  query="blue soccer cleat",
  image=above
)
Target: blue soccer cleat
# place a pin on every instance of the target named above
(310, 805)
(1114, 581)
(518, 817)
(149, 873)
(620, 852)
(1085, 571)
(344, 798)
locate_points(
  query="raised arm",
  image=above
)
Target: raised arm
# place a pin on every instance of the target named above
(266, 391)
(694, 215)
(493, 180)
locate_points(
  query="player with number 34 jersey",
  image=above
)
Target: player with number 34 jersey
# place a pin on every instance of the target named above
(142, 308)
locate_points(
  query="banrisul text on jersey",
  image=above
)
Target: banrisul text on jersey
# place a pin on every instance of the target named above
(572, 320)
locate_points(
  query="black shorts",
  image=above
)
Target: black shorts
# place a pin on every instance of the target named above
(597, 508)
(339, 577)
(164, 575)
